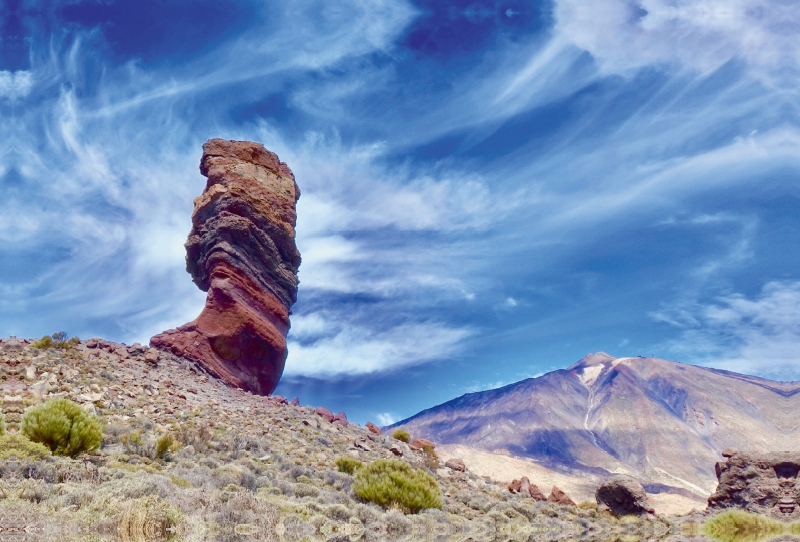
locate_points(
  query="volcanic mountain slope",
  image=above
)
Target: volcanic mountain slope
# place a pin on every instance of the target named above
(662, 421)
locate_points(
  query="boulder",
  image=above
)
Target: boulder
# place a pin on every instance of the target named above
(559, 497)
(514, 486)
(295, 402)
(325, 413)
(241, 250)
(420, 443)
(373, 428)
(456, 464)
(536, 493)
(622, 496)
(341, 418)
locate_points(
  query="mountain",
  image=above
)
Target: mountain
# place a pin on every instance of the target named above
(661, 421)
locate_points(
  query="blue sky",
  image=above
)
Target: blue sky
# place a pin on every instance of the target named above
(491, 189)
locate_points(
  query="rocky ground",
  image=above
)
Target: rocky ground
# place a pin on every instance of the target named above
(241, 466)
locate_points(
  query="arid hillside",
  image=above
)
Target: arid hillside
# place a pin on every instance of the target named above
(185, 456)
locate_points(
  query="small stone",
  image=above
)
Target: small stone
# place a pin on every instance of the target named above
(456, 464)
(559, 497)
(151, 356)
(420, 443)
(395, 449)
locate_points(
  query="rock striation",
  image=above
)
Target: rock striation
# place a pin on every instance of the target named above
(241, 250)
(761, 483)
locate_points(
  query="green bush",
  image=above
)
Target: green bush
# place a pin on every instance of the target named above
(164, 444)
(348, 464)
(63, 426)
(389, 482)
(2, 424)
(22, 448)
(741, 526)
(56, 340)
(401, 435)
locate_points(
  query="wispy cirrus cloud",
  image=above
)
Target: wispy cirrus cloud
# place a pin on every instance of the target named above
(757, 334)
(701, 35)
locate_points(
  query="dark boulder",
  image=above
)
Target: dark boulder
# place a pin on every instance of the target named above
(623, 496)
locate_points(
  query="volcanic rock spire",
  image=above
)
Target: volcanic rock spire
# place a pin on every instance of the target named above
(241, 251)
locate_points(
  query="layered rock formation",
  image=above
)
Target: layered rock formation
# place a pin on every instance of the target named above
(241, 250)
(761, 483)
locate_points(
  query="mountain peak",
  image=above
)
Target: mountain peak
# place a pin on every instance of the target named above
(589, 360)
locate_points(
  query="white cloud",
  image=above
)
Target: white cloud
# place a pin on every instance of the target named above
(699, 34)
(386, 418)
(352, 349)
(759, 335)
(14, 85)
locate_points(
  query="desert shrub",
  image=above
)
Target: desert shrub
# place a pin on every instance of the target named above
(587, 505)
(180, 482)
(2, 424)
(305, 490)
(56, 340)
(133, 442)
(430, 459)
(62, 426)
(401, 435)
(738, 525)
(164, 444)
(147, 518)
(389, 482)
(348, 464)
(22, 448)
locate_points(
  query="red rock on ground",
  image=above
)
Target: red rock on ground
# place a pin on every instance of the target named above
(536, 493)
(456, 464)
(373, 428)
(342, 419)
(559, 497)
(325, 413)
(241, 250)
(420, 443)
(514, 486)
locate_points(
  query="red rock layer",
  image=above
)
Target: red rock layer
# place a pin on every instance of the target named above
(241, 250)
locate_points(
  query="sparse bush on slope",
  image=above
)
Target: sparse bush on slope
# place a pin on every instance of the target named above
(56, 340)
(401, 435)
(21, 448)
(62, 426)
(389, 482)
(348, 464)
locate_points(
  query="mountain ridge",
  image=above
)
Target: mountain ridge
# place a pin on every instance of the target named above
(663, 421)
